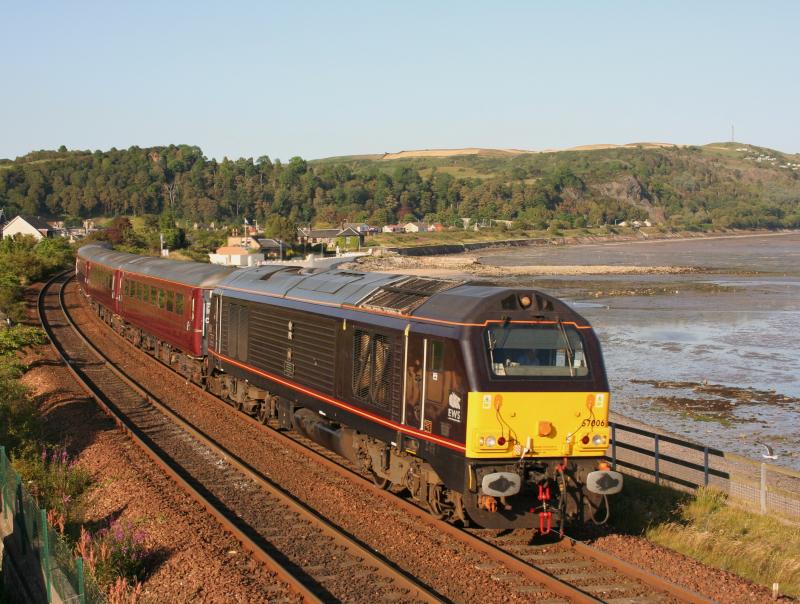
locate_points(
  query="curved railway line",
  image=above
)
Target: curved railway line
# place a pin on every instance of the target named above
(568, 570)
(313, 560)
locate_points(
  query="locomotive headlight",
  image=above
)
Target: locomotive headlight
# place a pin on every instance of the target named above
(491, 441)
(597, 440)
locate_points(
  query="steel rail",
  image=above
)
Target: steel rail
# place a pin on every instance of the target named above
(494, 553)
(631, 570)
(293, 583)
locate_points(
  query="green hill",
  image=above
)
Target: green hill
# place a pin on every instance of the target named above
(719, 185)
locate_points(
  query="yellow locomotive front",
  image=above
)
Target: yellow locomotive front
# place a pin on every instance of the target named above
(537, 429)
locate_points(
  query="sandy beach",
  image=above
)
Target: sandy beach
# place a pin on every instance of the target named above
(470, 266)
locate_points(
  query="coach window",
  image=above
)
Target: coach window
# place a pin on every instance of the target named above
(126, 287)
(162, 297)
(153, 294)
(170, 301)
(179, 304)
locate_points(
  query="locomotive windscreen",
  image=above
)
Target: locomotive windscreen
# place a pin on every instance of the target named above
(536, 350)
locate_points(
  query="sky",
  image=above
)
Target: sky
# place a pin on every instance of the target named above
(319, 79)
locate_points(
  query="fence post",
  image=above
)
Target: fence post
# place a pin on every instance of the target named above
(45, 553)
(3, 479)
(613, 445)
(81, 583)
(763, 488)
(21, 517)
(655, 442)
(705, 466)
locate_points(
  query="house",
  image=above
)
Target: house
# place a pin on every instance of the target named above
(28, 225)
(415, 227)
(436, 228)
(271, 248)
(393, 228)
(230, 255)
(361, 227)
(349, 239)
(345, 239)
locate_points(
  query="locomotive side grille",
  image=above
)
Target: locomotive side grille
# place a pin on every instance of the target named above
(225, 320)
(382, 373)
(361, 364)
(312, 342)
(373, 370)
(406, 294)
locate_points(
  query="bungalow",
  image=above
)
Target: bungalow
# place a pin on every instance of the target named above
(415, 227)
(393, 228)
(28, 225)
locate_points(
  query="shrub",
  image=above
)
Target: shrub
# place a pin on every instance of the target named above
(117, 551)
(56, 482)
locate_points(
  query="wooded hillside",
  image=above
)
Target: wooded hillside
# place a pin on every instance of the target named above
(719, 185)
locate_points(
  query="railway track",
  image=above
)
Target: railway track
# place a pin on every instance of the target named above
(312, 559)
(564, 571)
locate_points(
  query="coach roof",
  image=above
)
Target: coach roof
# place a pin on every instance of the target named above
(195, 274)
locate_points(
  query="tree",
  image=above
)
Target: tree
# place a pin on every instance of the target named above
(282, 229)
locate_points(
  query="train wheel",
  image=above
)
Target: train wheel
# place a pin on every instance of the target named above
(380, 481)
(435, 504)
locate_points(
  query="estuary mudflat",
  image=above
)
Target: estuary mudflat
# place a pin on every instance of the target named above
(710, 353)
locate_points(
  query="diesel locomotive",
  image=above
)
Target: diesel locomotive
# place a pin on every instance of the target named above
(488, 404)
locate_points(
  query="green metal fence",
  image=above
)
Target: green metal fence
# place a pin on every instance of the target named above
(44, 566)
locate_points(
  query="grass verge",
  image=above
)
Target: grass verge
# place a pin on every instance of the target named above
(705, 527)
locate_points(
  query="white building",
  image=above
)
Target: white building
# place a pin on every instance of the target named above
(235, 256)
(28, 225)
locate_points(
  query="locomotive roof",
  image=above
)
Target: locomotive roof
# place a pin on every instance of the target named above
(195, 274)
(438, 299)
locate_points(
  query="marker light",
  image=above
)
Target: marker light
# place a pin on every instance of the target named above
(597, 439)
(491, 441)
(481, 441)
(585, 440)
(525, 301)
(501, 441)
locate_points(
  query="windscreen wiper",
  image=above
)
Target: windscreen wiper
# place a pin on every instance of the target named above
(570, 352)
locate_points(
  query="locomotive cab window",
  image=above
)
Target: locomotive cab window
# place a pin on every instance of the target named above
(437, 356)
(536, 351)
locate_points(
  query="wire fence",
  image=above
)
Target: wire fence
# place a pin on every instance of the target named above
(681, 464)
(41, 561)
